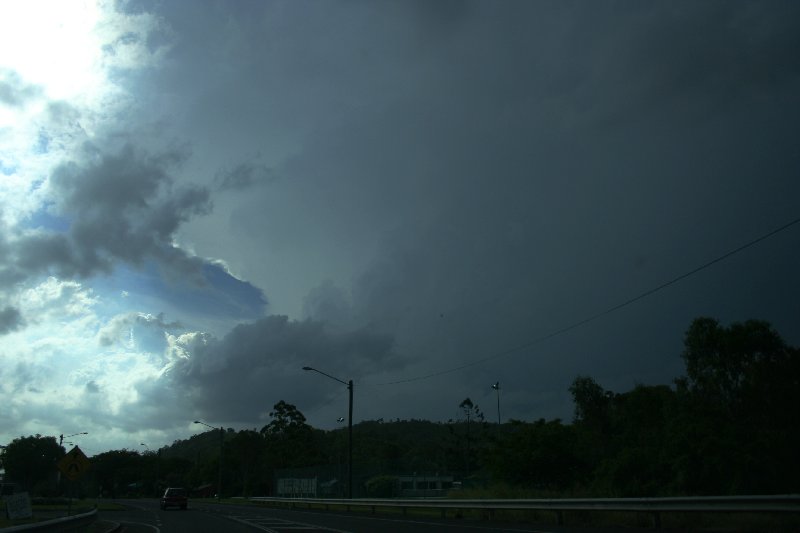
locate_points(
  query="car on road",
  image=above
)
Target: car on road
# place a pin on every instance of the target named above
(174, 497)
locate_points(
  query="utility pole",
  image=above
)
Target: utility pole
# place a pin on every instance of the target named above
(221, 447)
(349, 384)
(496, 387)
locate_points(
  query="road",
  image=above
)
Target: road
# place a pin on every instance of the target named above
(144, 516)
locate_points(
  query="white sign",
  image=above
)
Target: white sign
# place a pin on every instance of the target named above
(291, 487)
(18, 506)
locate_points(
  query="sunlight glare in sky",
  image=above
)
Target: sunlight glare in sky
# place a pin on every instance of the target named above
(53, 45)
(56, 61)
(50, 54)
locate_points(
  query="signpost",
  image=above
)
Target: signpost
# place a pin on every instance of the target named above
(73, 466)
(18, 506)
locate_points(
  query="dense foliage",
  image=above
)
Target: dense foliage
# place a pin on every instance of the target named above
(729, 426)
(31, 462)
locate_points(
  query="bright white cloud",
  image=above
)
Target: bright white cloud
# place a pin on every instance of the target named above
(58, 65)
(68, 355)
(55, 300)
(71, 364)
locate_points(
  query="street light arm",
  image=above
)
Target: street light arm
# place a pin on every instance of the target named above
(328, 375)
(206, 425)
(221, 447)
(62, 437)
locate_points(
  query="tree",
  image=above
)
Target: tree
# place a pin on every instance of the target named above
(245, 450)
(542, 455)
(591, 402)
(116, 471)
(31, 462)
(290, 439)
(470, 411)
(286, 419)
(723, 363)
(742, 386)
(638, 459)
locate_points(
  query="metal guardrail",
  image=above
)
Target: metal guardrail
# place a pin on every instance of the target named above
(785, 503)
(67, 523)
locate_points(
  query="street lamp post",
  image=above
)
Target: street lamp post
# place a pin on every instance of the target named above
(496, 387)
(61, 437)
(157, 454)
(339, 453)
(221, 442)
(349, 428)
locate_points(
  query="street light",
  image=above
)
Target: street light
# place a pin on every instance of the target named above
(157, 455)
(496, 387)
(61, 437)
(349, 428)
(221, 441)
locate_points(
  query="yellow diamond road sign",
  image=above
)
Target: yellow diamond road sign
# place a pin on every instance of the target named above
(74, 464)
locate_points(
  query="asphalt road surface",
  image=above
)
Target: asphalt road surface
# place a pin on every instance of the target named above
(145, 516)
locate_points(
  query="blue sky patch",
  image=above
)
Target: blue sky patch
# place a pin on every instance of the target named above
(7, 169)
(43, 219)
(223, 297)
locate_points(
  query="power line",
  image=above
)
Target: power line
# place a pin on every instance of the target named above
(603, 313)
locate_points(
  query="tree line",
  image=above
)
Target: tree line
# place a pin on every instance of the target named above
(729, 425)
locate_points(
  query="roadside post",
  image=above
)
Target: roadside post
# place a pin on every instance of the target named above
(73, 466)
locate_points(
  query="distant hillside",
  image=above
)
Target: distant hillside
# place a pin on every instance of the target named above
(202, 446)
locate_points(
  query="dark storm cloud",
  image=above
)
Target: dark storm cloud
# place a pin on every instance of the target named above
(243, 176)
(10, 320)
(540, 164)
(489, 173)
(329, 304)
(239, 377)
(119, 207)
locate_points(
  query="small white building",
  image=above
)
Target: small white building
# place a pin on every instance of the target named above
(424, 486)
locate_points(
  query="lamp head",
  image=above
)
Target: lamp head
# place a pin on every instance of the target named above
(307, 368)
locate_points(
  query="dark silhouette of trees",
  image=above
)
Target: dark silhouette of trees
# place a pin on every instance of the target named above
(247, 452)
(741, 399)
(592, 403)
(728, 426)
(31, 462)
(542, 455)
(117, 472)
(290, 440)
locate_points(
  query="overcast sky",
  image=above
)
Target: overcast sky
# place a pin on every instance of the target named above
(199, 198)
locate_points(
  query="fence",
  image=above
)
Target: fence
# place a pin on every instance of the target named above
(787, 503)
(71, 523)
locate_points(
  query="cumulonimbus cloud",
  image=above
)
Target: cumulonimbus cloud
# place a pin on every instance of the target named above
(240, 375)
(118, 207)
